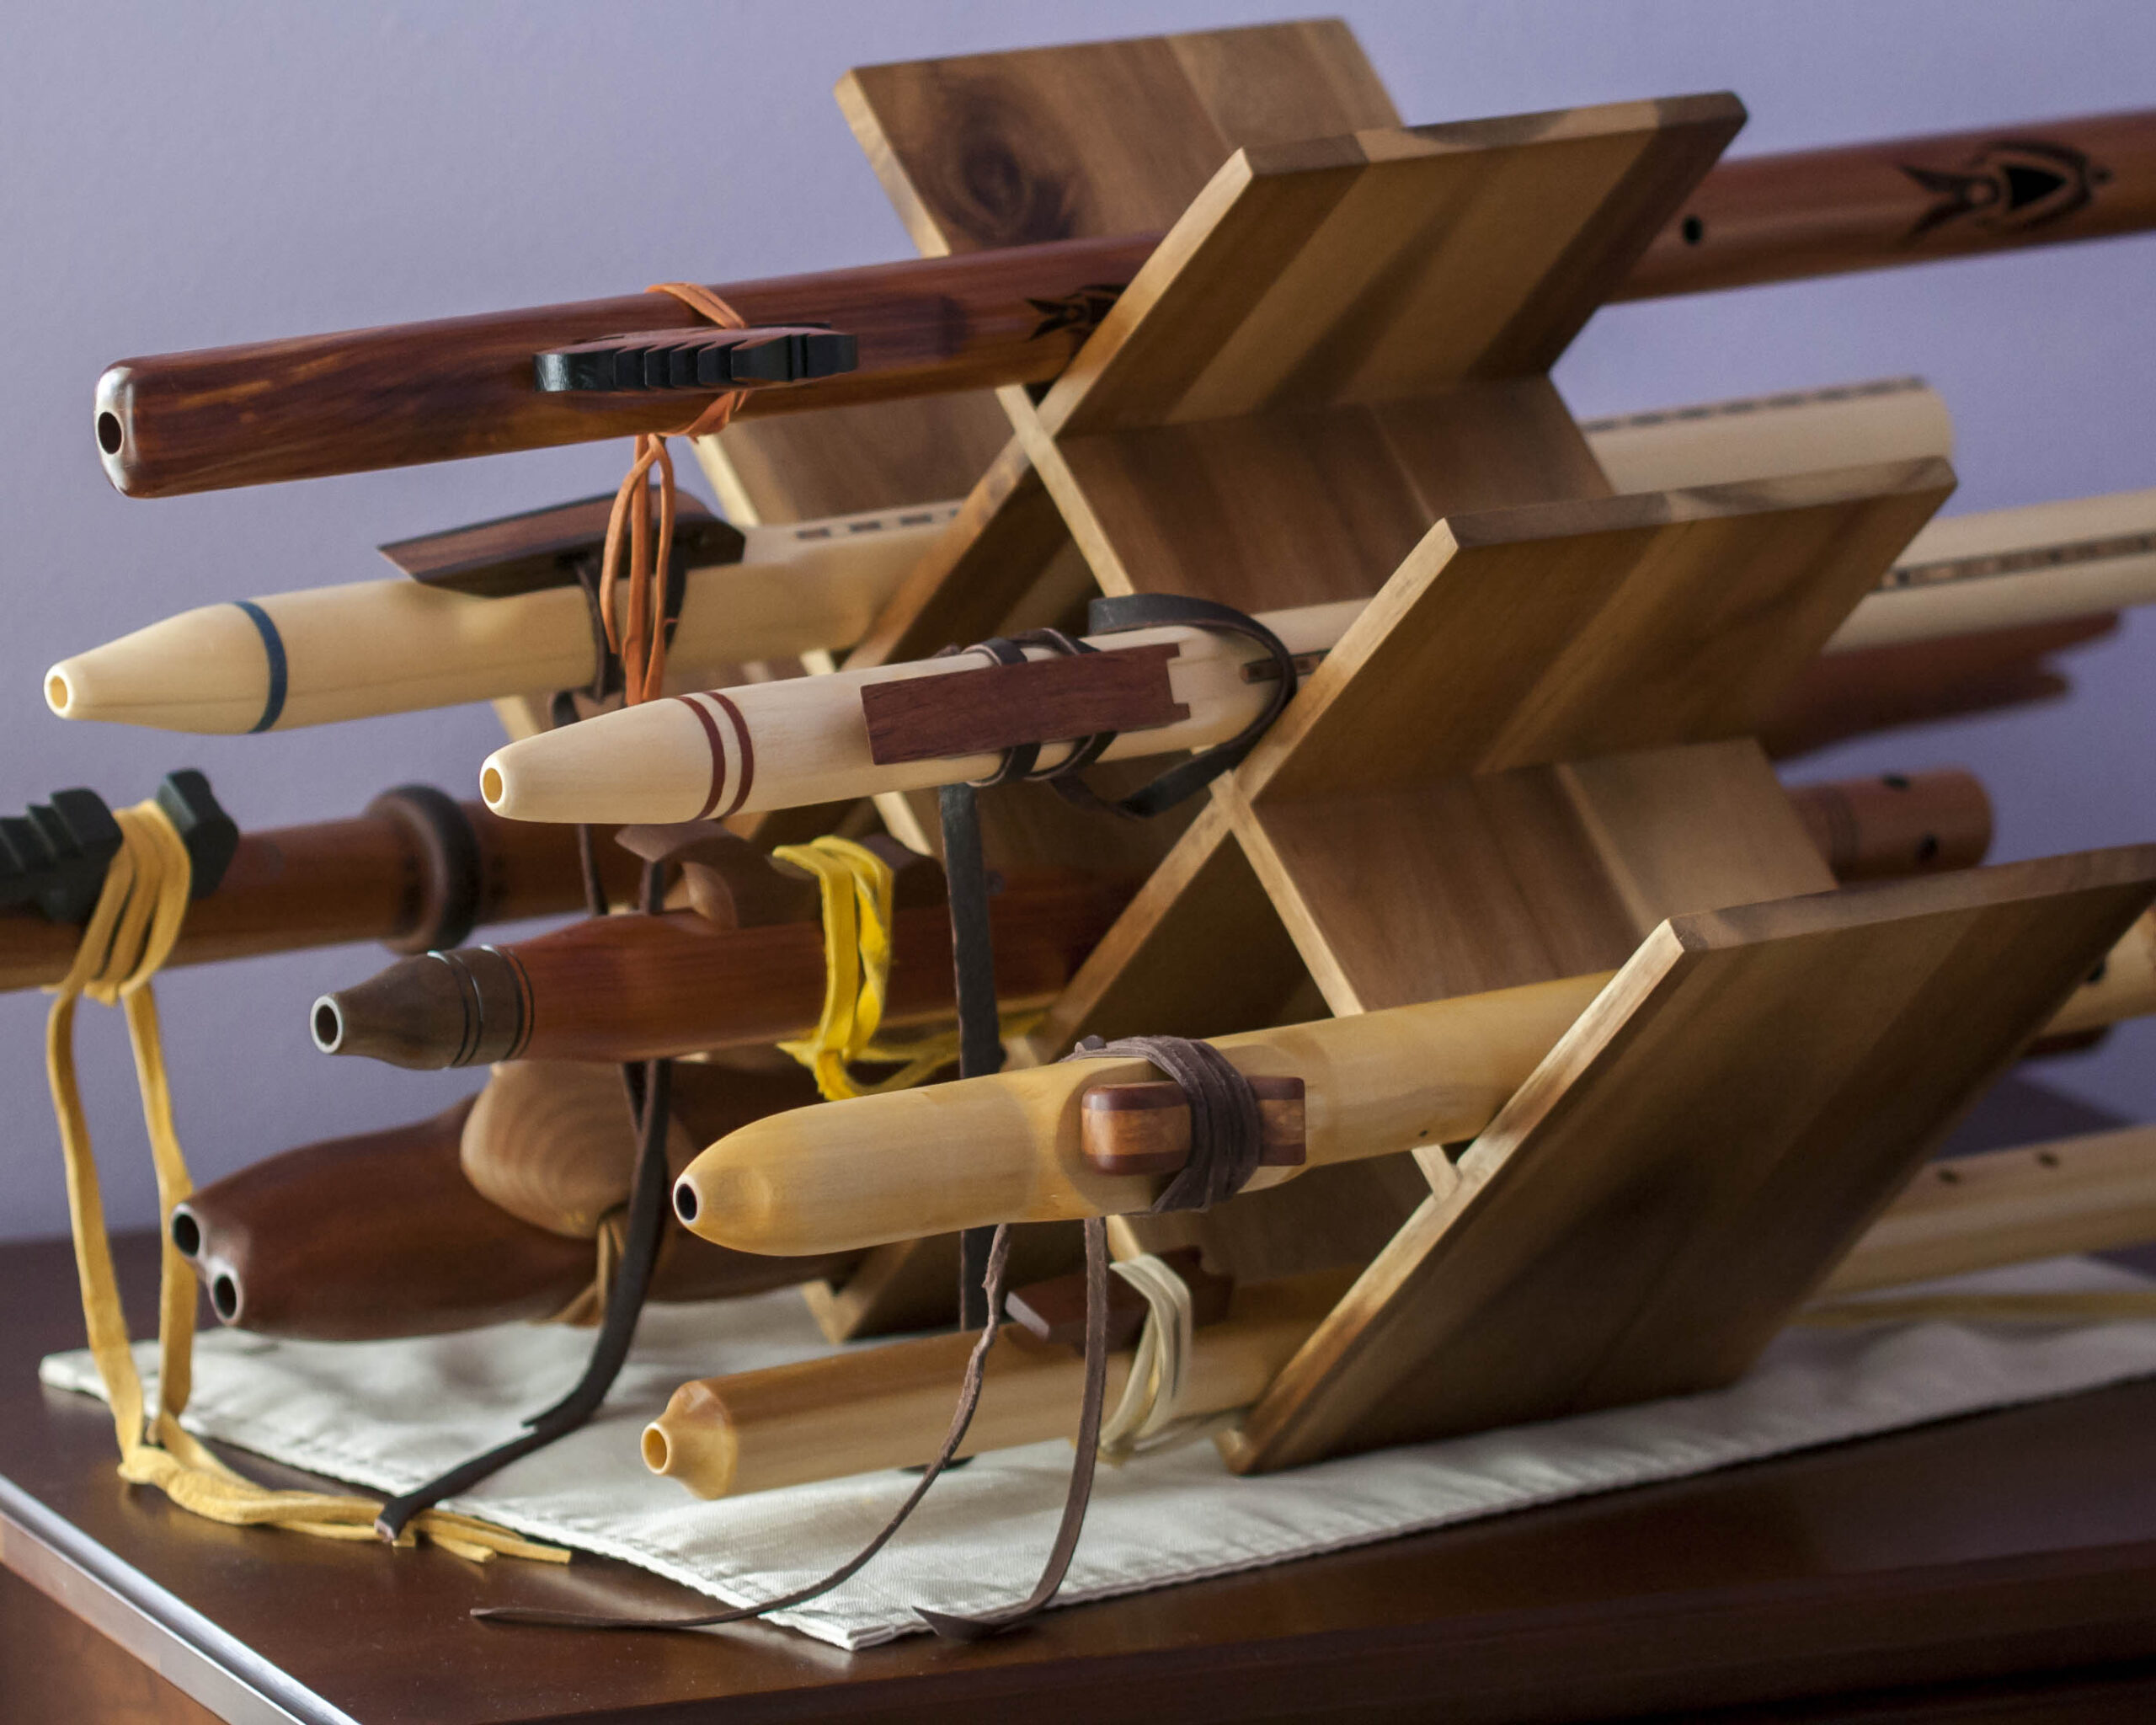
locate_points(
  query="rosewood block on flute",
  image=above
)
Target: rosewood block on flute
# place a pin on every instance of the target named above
(626, 988)
(397, 397)
(415, 865)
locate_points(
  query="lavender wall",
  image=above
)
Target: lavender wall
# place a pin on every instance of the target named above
(182, 175)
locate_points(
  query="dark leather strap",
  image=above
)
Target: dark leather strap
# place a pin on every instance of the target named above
(648, 1087)
(962, 1416)
(980, 1029)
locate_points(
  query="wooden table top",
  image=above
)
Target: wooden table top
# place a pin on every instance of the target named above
(2015, 1551)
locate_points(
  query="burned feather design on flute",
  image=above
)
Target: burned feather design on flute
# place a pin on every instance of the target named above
(2009, 187)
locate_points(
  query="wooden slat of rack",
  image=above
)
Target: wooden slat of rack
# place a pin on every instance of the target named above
(1695, 1155)
(1479, 249)
(1572, 629)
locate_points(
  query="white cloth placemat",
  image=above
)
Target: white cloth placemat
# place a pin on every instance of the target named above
(388, 1415)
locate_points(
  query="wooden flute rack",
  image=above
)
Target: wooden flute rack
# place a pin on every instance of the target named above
(1534, 746)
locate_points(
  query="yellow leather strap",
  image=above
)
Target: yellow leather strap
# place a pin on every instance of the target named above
(856, 885)
(129, 934)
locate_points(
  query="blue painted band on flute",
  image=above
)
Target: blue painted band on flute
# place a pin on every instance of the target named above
(273, 648)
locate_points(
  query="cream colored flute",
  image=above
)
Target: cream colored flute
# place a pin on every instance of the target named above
(328, 654)
(1009, 1148)
(802, 740)
(374, 647)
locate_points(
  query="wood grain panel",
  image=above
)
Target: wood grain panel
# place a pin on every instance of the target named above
(1694, 1156)
(1564, 630)
(1492, 880)
(1479, 249)
(1096, 138)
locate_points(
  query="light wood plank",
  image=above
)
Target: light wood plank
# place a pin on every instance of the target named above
(1477, 249)
(1696, 1154)
(1566, 630)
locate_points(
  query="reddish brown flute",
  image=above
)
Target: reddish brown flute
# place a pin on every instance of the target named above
(419, 393)
(413, 866)
(632, 988)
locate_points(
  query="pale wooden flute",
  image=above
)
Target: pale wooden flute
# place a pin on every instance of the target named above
(803, 741)
(1012, 1147)
(887, 1406)
(328, 654)
(398, 646)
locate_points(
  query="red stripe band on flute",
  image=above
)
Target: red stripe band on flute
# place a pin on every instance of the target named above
(748, 755)
(718, 756)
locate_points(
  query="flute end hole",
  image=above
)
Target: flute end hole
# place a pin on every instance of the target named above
(186, 1234)
(490, 786)
(224, 1297)
(656, 1452)
(329, 1025)
(685, 1201)
(110, 433)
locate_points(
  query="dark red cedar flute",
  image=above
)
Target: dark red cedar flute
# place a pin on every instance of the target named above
(630, 988)
(412, 394)
(414, 863)
(381, 1235)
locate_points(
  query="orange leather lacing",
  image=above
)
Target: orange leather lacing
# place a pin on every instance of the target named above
(639, 637)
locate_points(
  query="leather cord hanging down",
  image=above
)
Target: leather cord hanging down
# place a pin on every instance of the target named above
(649, 1086)
(129, 934)
(1226, 1131)
(623, 1279)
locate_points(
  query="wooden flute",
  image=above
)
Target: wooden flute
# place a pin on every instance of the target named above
(415, 865)
(325, 654)
(803, 741)
(1029, 1146)
(475, 625)
(636, 987)
(402, 1232)
(888, 1407)
(412, 394)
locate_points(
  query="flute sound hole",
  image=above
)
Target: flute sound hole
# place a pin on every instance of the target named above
(1694, 229)
(109, 436)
